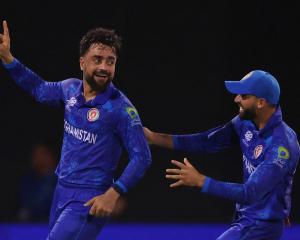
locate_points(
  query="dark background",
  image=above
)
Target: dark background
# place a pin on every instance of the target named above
(175, 59)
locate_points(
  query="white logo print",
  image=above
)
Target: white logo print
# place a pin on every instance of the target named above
(248, 135)
(93, 114)
(249, 167)
(71, 102)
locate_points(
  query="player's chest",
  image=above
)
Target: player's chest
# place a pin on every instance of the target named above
(253, 148)
(94, 119)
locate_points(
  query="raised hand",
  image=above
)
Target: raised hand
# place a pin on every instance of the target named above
(5, 53)
(185, 174)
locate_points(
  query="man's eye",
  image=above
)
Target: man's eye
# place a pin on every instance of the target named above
(110, 62)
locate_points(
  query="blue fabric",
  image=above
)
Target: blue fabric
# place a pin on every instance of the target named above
(249, 229)
(94, 131)
(259, 83)
(69, 219)
(270, 157)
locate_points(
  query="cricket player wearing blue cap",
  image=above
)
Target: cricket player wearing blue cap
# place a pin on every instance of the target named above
(99, 122)
(270, 157)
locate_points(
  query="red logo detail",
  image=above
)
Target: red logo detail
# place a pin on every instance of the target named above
(93, 114)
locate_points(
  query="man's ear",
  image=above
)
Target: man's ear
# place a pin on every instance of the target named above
(261, 103)
(81, 62)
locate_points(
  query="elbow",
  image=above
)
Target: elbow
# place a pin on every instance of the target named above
(250, 196)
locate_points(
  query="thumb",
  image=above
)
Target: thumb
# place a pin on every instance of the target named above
(90, 202)
(187, 163)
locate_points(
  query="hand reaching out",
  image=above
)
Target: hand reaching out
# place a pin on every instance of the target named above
(185, 174)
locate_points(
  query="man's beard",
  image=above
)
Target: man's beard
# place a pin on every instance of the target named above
(248, 114)
(96, 85)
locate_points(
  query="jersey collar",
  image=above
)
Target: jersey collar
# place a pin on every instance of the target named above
(100, 99)
(275, 119)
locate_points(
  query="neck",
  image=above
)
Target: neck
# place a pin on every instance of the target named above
(263, 117)
(89, 92)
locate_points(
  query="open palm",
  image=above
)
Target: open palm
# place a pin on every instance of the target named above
(5, 54)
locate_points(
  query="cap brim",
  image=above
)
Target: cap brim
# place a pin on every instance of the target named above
(236, 87)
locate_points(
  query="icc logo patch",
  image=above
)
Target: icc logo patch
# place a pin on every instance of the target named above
(257, 151)
(93, 114)
(248, 135)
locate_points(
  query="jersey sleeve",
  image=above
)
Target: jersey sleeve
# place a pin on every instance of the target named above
(44, 92)
(263, 180)
(210, 141)
(130, 131)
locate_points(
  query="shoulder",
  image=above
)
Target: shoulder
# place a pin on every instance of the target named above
(124, 109)
(285, 143)
(71, 85)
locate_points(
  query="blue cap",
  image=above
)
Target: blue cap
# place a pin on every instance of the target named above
(259, 83)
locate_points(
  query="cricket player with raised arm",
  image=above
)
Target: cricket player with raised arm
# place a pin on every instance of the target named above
(99, 121)
(270, 156)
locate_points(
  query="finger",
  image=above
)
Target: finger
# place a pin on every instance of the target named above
(5, 29)
(178, 164)
(173, 170)
(187, 163)
(98, 213)
(93, 210)
(177, 184)
(90, 202)
(176, 177)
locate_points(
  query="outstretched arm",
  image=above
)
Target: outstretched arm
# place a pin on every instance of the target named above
(159, 139)
(266, 176)
(42, 91)
(209, 141)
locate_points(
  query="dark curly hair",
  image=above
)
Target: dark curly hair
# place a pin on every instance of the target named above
(100, 35)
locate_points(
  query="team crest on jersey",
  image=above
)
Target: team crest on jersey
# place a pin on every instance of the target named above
(248, 135)
(257, 151)
(93, 114)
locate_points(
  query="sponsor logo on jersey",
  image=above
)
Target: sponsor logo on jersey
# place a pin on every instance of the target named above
(71, 102)
(283, 153)
(93, 114)
(132, 112)
(248, 135)
(257, 151)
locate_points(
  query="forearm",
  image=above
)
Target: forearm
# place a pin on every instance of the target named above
(134, 171)
(162, 140)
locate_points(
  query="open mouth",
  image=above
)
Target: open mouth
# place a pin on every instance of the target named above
(241, 109)
(101, 76)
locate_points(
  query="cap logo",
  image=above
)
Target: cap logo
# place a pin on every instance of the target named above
(257, 151)
(93, 114)
(247, 76)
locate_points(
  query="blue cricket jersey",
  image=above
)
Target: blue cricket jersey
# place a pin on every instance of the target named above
(94, 131)
(270, 158)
